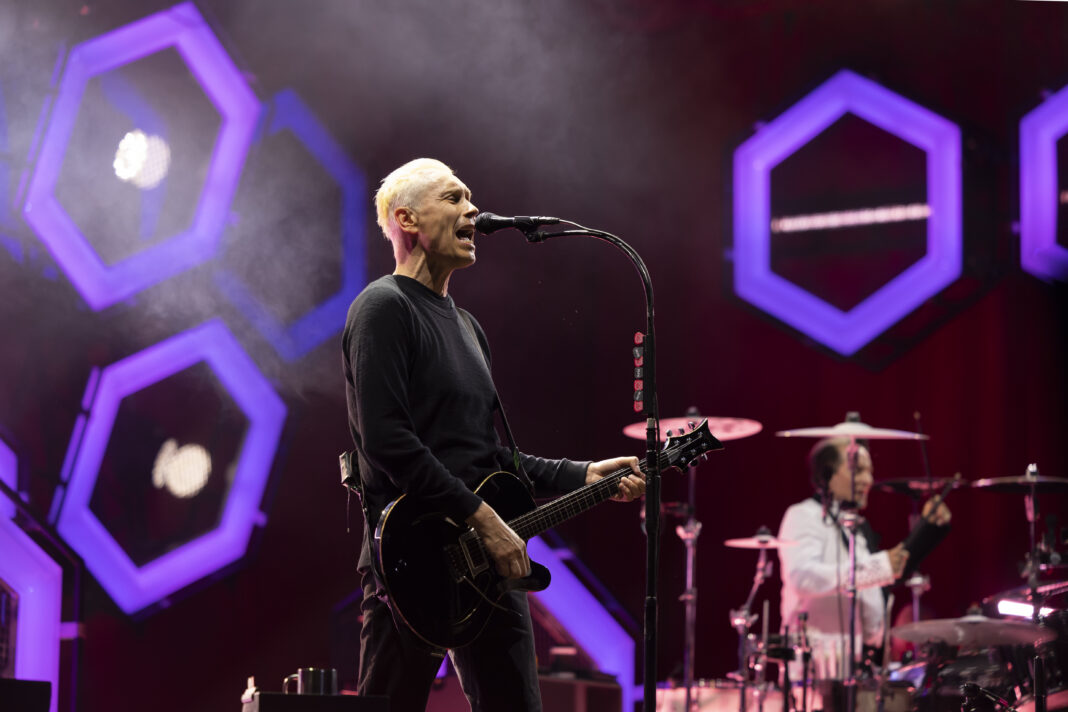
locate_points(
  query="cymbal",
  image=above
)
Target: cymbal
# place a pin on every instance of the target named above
(760, 541)
(860, 431)
(1023, 593)
(918, 486)
(973, 632)
(721, 428)
(1023, 484)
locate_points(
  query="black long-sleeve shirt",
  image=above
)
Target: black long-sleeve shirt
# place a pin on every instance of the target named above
(421, 403)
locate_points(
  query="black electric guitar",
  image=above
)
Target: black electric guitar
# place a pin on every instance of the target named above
(440, 580)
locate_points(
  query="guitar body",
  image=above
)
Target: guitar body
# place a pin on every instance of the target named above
(439, 580)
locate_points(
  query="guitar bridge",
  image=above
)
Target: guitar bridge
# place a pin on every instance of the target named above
(474, 554)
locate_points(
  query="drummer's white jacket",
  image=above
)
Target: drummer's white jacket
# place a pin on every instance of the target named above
(815, 578)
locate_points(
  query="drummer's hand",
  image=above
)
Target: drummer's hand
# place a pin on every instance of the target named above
(631, 487)
(939, 515)
(898, 556)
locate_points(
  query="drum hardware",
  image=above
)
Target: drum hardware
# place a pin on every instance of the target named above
(1030, 485)
(973, 692)
(741, 619)
(918, 584)
(727, 429)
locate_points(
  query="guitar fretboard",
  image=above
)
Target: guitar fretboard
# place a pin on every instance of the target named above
(574, 503)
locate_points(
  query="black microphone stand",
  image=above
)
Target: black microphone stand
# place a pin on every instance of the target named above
(650, 410)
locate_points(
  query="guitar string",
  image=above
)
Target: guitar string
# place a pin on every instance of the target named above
(576, 502)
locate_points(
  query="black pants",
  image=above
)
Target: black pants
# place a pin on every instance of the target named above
(498, 671)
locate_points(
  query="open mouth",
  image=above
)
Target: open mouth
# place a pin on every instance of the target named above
(466, 234)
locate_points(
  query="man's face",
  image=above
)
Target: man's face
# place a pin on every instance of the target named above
(840, 483)
(444, 218)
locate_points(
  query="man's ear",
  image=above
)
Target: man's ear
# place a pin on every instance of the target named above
(406, 219)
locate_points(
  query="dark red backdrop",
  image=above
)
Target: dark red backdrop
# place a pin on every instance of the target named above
(622, 116)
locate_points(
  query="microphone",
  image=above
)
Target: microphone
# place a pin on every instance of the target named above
(486, 223)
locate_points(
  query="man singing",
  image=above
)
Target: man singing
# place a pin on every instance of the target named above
(422, 405)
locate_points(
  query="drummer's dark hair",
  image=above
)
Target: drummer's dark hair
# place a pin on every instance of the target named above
(825, 458)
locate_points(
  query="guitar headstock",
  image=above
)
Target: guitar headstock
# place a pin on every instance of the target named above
(682, 449)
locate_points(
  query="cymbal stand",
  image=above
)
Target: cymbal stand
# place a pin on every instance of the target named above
(919, 584)
(1033, 564)
(689, 532)
(847, 515)
(742, 620)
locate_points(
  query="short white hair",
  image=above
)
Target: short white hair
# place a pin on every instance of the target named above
(403, 188)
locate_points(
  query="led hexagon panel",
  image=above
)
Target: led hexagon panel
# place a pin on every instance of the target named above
(183, 28)
(133, 587)
(9, 476)
(323, 321)
(1039, 196)
(38, 581)
(846, 331)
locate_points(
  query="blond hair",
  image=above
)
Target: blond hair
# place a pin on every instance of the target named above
(403, 188)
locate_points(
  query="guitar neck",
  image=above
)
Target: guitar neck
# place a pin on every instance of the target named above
(572, 504)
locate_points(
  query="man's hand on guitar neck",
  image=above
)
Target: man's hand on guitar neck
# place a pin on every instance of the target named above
(631, 487)
(505, 547)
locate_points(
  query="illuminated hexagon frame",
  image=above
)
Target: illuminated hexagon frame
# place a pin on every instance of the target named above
(9, 475)
(1040, 254)
(132, 587)
(583, 616)
(38, 581)
(183, 28)
(846, 331)
(326, 319)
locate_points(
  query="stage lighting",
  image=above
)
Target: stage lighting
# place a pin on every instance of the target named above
(851, 218)
(300, 298)
(846, 330)
(183, 471)
(31, 600)
(142, 160)
(169, 77)
(1042, 146)
(1020, 609)
(171, 465)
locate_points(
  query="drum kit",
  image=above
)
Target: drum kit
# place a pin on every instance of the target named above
(1014, 658)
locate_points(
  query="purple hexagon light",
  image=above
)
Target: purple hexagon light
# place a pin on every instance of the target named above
(183, 28)
(1039, 196)
(38, 581)
(135, 587)
(326, 319)
(9, 475)
(846, 331)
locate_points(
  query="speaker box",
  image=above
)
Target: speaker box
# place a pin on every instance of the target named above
(25, 695)
(278, 702)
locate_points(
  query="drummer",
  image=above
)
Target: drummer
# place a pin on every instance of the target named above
(815, 572)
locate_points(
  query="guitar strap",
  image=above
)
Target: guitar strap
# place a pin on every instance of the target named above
(520, 471)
